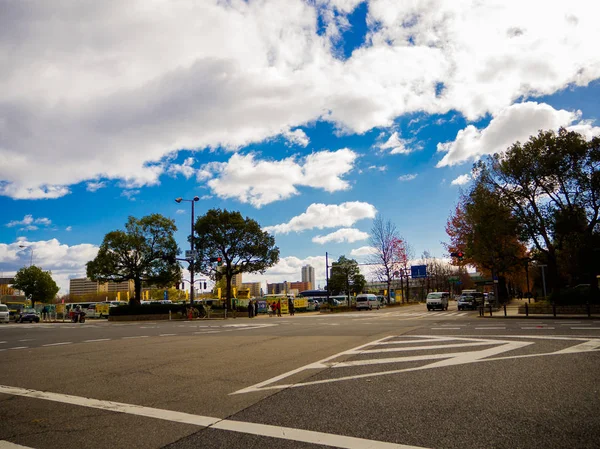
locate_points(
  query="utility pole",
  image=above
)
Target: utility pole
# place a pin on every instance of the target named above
(327, 274)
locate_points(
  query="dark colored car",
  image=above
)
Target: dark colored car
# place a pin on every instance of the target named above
(470, 301)
(28, 315)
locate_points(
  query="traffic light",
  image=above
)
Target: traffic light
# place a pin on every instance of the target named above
(219, 260)
(458, 254)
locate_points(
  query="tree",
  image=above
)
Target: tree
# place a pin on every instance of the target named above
(551, 181)
(403, 252)
(346, 277)
(384, 237)
(241, 243)
(36, 284)
(144, 252)
(487, 232)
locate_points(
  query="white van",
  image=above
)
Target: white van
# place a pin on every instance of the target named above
(367, 301)
(438, 300)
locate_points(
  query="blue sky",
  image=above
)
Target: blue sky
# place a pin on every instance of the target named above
(307, 116)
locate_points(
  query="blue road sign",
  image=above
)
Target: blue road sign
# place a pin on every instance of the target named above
(418, 271)
(166, 295)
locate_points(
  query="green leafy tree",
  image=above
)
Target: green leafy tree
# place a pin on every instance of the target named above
(346, 277)
(550, 183)
(36, 284)
(241, 243)
(145, 252)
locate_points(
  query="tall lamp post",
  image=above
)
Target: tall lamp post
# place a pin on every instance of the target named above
(192, 257)
(31, 256)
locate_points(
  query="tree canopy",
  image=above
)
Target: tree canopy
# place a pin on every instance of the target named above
(551, 184)
(143, 252)
(346, 277)
(241, 243)
(36, 284)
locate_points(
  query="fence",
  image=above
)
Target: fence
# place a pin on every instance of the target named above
(527, 310)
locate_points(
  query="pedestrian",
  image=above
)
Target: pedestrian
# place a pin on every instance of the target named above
(273, 309)
(250, 309)
(45, 313)
(255, 307)
(291, 306)
(279, 307)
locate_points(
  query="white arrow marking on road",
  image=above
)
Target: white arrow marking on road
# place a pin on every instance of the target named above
(447, 359)
(265, 430)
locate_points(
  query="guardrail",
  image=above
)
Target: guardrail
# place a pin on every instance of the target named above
(537, 309)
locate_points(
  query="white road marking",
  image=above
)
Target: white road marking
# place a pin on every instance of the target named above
(285, 433)
(98, 339)
(440, 360)
(420, 348)
(9, 445)
(2, 342)
(167, 335)
(537, 327)
(27, 339)
(489, 327)
(19, 347)
(137, 336)
(594, 328)
(59, 344)
(207, 332)
(444, 328)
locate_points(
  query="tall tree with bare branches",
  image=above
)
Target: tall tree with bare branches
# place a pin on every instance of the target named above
(383, 239)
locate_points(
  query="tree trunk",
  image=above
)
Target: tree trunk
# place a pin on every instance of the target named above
(137, 294)
(228, 298)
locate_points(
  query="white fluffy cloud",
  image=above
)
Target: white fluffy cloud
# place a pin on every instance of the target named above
(62, 260)
(409, 177)
(516, 122)
(261, 182)
(29, 223)
(320, 216)
(461, 180)
(396, 145)
(341, 235)
(114, 87)
(363, 251)
(184, 169)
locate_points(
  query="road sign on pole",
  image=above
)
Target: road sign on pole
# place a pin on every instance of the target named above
(418, 271)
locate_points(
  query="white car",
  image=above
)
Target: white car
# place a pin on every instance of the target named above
(437, 300)
(4, 313)
(367, 301)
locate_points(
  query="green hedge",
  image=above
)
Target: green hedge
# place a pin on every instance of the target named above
(147, 309)
(574, 296)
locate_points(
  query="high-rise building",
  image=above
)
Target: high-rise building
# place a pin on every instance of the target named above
(300, 286)
(236, 280)
(308, 275)
(85, 286)
(254, 287)
(276, 288)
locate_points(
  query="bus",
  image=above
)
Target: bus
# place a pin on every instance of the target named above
(15, 304)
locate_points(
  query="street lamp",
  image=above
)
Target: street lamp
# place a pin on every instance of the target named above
(31, 256)
(192, 255)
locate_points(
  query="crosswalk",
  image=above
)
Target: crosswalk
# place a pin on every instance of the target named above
(440, 314)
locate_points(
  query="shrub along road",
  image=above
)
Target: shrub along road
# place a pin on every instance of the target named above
(397, 377)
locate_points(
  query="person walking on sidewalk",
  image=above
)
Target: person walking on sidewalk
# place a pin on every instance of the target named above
(250, 309)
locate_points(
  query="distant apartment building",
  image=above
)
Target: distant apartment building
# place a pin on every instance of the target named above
(308, 275)
(300, 286)
(236, 280)
(254, 287)
(85, 286)
(276, 288)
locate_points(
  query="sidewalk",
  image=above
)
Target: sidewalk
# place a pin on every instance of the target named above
(562, 312)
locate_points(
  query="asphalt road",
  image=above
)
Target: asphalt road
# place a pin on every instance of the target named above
(397, 377)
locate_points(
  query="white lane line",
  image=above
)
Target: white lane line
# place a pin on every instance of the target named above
(537, 327)
(420, 348)
(8, 445)
(595, 328)
(27, 339)
(266, 430)
(568, 324)
(489, 327)
(445, 328)
(98, 339)
(137, 336)
(59, 344)
(2, 342)
(19, 347)
(167, 335)
(207, 332)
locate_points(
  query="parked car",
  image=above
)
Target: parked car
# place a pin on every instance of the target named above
(437, 300)
(470, 301)
(367, 301)
(313, 304)
(4, 313)
(28, 315)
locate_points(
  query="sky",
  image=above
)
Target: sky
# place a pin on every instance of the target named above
(310, 117)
